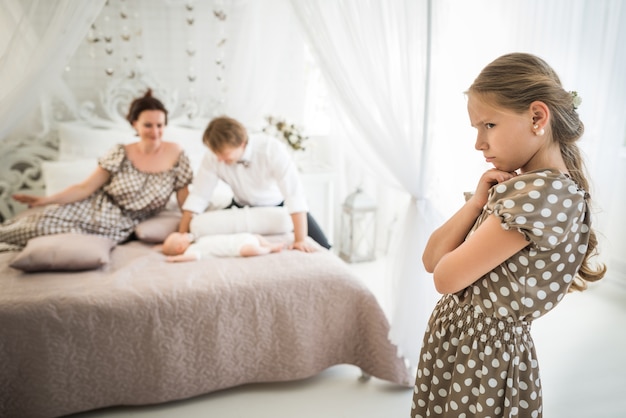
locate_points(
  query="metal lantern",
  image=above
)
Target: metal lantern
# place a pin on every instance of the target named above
(358, 228)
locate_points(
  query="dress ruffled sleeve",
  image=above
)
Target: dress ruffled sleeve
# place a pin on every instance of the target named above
(182, 172)
(542, 207)
(112, 160)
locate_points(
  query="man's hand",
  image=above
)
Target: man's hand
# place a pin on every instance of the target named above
(302, 246)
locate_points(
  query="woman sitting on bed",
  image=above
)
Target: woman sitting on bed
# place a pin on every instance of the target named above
(131, 183)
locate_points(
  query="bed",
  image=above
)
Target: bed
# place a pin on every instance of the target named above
(142, 331)
(136, 330)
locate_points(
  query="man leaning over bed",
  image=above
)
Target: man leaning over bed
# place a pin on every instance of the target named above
(259, 171)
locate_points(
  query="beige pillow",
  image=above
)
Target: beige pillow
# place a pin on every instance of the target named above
(64, 252)
(157, 228)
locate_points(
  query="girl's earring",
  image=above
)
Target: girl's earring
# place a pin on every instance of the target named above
(538, 132)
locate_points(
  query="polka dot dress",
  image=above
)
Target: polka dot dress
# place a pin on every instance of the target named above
(129, 197)
(478, 357)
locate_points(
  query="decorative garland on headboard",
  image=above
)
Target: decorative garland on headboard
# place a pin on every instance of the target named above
(116, 98)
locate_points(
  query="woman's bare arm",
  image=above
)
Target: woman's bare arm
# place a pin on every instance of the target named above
(73, 193)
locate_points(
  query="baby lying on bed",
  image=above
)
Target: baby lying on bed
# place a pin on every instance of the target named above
(184, 247)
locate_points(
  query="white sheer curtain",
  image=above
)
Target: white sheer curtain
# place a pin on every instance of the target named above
(38, 39)
(265, 74)
(374, 56)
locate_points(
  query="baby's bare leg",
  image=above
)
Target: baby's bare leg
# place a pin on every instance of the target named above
(250, 250)
(273, 247)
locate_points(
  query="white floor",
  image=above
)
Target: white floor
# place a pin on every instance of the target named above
(581, 347)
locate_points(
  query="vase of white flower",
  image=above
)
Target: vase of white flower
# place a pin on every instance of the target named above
(287, 132)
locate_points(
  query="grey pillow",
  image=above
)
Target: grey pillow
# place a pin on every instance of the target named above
(154, 230)
(64, 252)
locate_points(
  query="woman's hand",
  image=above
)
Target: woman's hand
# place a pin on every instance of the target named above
(30, 200)
(71, 194)
(488, 180)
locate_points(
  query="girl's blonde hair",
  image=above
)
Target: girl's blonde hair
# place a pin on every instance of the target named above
(514, 81)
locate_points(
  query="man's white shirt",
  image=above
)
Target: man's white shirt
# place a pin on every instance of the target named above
(266, 177)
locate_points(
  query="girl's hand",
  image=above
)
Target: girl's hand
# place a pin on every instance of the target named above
(30, 200)
(487, 180)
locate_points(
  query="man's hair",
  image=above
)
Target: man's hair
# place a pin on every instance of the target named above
(224, 132)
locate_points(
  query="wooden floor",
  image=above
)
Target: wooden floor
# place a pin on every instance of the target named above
(581, 347)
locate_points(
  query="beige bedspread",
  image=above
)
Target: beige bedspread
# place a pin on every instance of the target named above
(144, 331)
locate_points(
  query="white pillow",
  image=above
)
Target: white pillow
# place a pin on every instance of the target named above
(77, 140)
(257, 220)
(221, 198)
(190, 139)
(57, 175)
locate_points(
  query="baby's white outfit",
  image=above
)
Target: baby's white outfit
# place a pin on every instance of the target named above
(226, 245)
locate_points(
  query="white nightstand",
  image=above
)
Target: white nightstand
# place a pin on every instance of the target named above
(317, 180)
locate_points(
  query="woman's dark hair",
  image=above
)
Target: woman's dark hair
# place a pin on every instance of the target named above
(147, 102)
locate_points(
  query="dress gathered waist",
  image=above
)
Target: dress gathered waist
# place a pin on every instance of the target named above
(463, 320)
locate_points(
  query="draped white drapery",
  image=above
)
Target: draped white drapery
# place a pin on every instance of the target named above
(373, 55)
(32, 56)
(264, 63)
(263, 55)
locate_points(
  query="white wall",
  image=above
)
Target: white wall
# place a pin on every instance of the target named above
(613, 238)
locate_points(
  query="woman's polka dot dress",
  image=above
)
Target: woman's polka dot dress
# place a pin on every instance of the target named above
(478, 358)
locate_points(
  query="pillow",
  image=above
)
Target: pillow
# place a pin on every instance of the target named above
(57, 175)
(190, 139)
(221, 198)
(157, 228)
(257, 220)
(79, 140)
(64, 252)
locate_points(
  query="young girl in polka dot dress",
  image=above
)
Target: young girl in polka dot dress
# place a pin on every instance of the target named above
(512, 252)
